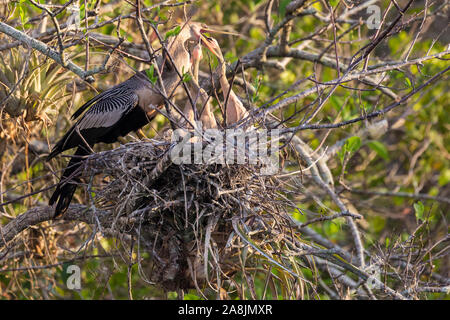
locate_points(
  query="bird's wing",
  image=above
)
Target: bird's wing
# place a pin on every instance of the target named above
(109, 109)
(105, 113)
(81, 109)
(137, 80)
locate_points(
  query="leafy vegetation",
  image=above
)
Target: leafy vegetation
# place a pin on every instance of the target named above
(390, 168)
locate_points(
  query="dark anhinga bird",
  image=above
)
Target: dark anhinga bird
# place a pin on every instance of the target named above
(119, 110)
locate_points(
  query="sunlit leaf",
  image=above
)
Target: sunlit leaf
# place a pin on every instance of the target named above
(150, 74)
(379, 148)
(419, 210)
(353, 144)
(172, 33)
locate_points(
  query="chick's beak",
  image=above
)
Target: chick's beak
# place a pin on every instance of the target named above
(207, 30)
(208, 44)
(207, 41)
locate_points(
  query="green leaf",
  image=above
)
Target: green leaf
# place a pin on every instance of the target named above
(282, 7)
(408, 82)
(379, 148)
(186, 77)
(334, 3)
(82, 11)
(22, 13)
(341, 154)
(174, 32)
(444, 178)
(191, 296)
(150, 74)
(419, 210)
(353, 144)
(337, 102)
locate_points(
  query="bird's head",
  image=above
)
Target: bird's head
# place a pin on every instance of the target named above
(213, 46)
(195, 33)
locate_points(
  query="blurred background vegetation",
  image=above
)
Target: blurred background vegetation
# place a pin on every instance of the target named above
(377, 170)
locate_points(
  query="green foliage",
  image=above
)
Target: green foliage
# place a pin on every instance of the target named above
(391, 162)
(282, 7)
(187, 77)
(150, 74)
(42, 86)
(379, 148)
(172, 33)
(351, 146)
(419, 211)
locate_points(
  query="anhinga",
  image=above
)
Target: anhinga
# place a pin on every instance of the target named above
(199, 94)
(121, 109)
(234, 109)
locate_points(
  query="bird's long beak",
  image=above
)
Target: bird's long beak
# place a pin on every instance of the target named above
(207, 30)
(205, 40)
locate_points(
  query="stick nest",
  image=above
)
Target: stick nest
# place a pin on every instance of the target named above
(193, 220)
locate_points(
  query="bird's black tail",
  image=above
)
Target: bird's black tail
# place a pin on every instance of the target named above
(68, 183)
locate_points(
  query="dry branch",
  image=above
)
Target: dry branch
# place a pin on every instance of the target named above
(46, 50)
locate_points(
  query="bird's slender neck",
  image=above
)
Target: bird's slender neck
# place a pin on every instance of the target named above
(223, 75)
(194, 84)
(178, 54)
(195, 71)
